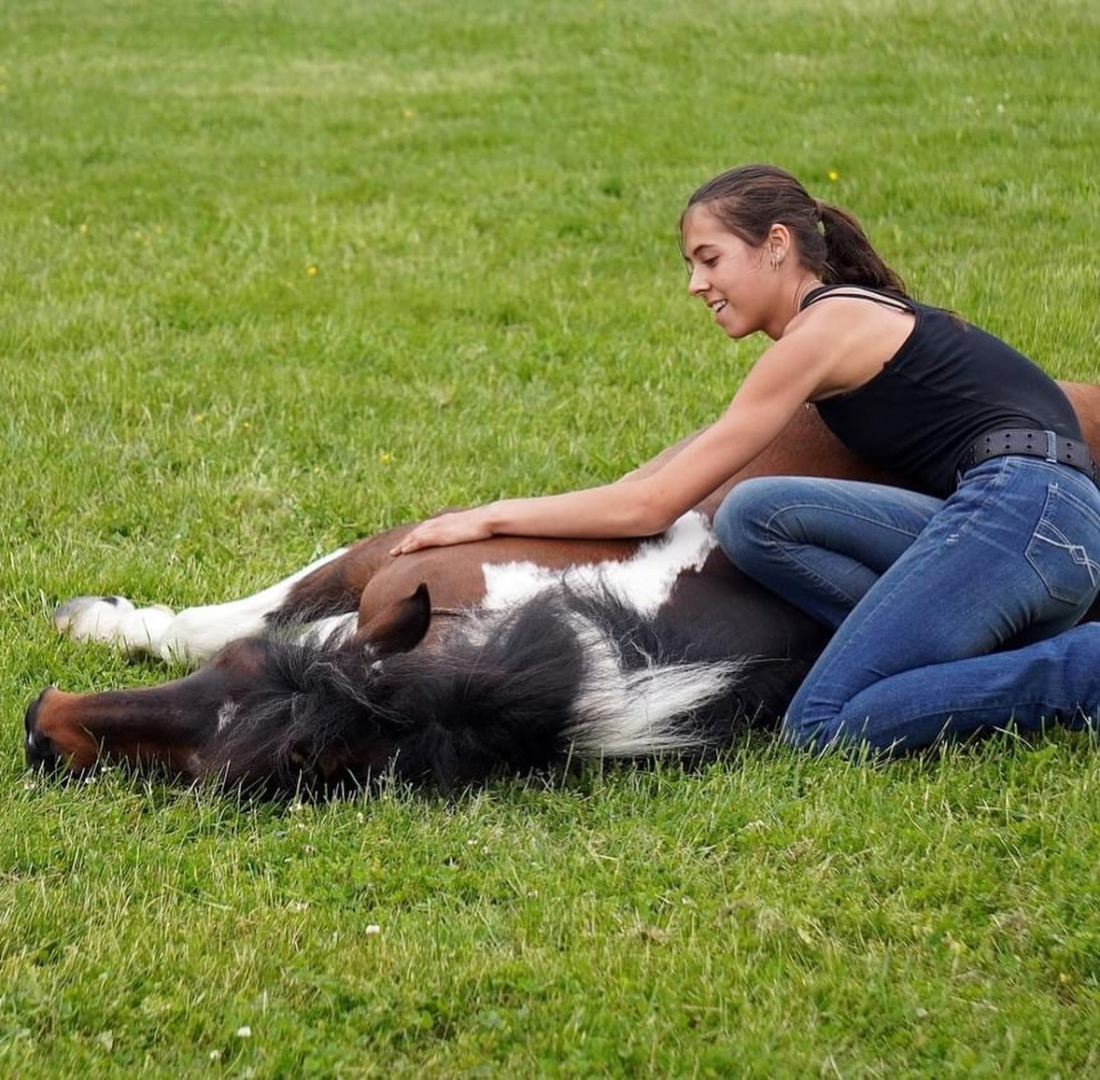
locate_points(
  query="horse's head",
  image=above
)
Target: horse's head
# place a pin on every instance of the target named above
(231, 716)
(163, 726)
(494, 691)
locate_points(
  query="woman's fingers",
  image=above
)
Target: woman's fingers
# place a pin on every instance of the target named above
(461, 528)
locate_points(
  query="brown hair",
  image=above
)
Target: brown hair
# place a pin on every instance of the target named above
(831, 244)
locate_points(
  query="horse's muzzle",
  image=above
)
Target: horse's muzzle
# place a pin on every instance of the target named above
(40, 751)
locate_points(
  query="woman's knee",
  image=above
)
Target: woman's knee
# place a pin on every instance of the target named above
(824, 734)
(795, 734)
(742, 523)
(799, 729)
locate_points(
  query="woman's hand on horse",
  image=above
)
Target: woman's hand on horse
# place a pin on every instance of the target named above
(462, 527)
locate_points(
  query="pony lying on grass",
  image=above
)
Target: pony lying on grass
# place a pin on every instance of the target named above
(450, 664)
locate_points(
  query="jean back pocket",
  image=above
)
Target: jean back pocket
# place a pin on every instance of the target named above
(1065, 547)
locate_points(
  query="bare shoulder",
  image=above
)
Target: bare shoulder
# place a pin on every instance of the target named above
(856, 334)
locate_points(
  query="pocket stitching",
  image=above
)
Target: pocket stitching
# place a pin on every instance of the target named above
(1078, 553)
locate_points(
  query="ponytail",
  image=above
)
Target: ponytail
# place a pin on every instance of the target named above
(849, 257)
(830, 242)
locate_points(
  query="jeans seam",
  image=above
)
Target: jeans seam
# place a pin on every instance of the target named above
(848, 515)
(827, 587)
(783, 548)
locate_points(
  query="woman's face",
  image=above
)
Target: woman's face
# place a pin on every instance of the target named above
(734, 279)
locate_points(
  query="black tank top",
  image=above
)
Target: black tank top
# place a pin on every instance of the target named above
(946, 386)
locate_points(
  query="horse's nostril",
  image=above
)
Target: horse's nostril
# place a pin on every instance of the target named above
(39, 747)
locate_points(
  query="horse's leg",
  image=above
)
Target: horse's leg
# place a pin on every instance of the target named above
(191, 635)
(323, 596)
(338, 592)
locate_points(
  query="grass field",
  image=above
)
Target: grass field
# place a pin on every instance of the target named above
(275, 275)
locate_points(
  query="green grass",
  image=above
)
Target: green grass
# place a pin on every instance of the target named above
(277, 275)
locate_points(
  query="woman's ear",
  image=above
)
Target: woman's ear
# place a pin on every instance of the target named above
(778, 244)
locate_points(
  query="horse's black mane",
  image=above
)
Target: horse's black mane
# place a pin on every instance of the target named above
(503, 691)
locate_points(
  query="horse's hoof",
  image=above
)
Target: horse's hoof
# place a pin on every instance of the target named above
(72, 617)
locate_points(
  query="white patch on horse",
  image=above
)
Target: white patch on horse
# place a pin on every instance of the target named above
(621, 712)
(334, 630)
(226, 715)
(644, 582)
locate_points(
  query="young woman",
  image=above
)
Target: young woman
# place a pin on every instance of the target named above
(955, 611)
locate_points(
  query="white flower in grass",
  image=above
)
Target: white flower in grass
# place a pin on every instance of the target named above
(244, 1032)
(374, 928)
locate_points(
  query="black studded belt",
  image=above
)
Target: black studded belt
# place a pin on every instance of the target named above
(1030, 443)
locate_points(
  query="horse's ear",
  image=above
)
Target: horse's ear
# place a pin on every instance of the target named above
(400, 626)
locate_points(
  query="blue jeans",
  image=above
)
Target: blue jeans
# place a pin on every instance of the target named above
(954, 618)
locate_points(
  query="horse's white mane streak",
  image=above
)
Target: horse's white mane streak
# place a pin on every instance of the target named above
(639, 713)
(643, 582)
(622, 712)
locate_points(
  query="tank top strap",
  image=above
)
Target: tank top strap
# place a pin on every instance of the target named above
(859, 292)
